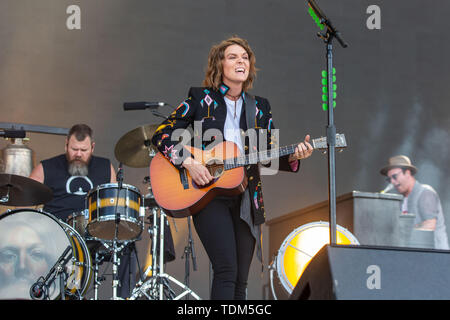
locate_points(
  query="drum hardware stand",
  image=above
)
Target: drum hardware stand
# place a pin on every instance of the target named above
(272, 269)
(188, 251)
(115, 248)
(100, 257)
(39, 290)
(97, 280)
(151, 152)
(159, 280)
(116, 262)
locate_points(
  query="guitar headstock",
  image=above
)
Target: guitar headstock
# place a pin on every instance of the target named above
(321, 143)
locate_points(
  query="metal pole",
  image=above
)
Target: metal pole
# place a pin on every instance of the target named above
(161, 252)
(331, 141)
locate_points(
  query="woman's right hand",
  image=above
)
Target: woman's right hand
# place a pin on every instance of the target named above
(198, 172)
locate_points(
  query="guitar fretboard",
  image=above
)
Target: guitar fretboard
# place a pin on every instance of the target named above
(262, 156)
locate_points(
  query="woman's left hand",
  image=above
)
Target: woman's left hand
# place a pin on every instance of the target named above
(303, 150)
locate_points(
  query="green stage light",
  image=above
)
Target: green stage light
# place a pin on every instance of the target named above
(324, 82)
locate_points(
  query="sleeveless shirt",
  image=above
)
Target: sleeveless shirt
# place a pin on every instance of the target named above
(69, 192)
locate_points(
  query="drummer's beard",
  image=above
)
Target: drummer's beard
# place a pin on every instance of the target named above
(77, 167)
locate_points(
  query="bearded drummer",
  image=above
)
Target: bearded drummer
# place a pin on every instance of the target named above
(73, 174)
(70, 176)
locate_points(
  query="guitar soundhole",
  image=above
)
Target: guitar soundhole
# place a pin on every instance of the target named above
(215, 168)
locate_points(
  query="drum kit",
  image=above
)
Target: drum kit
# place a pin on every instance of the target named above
(42, 257)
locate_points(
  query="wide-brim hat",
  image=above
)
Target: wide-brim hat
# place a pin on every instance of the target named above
(398, 162)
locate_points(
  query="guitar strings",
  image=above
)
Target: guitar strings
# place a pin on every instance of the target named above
(256, 157)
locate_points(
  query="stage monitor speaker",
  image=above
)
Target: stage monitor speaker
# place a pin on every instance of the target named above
(375, 273)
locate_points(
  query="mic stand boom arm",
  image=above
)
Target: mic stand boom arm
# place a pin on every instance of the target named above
(58, 268)
(331, 30)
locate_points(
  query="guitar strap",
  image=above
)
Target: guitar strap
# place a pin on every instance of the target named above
(250, 110)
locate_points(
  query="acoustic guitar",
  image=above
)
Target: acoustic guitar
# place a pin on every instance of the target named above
(179, 196)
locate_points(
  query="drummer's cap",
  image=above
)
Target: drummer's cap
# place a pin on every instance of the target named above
(81, 131)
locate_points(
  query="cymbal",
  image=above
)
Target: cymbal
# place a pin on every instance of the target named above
(135, 148)
(23, 191)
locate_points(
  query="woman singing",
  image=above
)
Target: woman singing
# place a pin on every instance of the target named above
(229, 226)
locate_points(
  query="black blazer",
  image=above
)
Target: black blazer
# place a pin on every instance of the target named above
(205, 109)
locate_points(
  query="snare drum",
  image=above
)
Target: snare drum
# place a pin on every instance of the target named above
(31, 242)
(104, 201)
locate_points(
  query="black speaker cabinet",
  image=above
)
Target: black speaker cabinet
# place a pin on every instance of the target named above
(375, 273)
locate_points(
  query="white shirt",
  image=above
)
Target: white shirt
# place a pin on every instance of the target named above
(405, 205)
(232, 130)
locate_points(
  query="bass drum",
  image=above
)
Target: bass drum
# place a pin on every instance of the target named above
(301, 245)
(31, 242)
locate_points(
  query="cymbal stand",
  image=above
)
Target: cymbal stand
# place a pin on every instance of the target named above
(97, 281)
(153, 288)
(189, 252)
(115, 248)
(115, 268)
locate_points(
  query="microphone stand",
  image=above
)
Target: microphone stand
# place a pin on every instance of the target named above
(328, 37)
(119, 178)
(41, 287)
(158, 114)
(116, 262)
(189, 252)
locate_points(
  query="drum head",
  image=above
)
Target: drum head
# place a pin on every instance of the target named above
(113, 186)
(31, 242)
(301, 245)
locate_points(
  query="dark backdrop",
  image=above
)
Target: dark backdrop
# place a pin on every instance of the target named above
(391, 97)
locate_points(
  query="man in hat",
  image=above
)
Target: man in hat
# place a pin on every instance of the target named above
(420, 199)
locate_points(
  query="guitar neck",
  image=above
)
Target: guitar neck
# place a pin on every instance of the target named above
(262, 156)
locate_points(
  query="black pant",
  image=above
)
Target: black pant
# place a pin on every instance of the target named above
(229, 244)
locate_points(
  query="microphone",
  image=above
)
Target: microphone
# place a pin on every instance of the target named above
(119, 178)
(37, 291)
(327, 22)
(119, 175)
(389, 187)
(142, 105)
